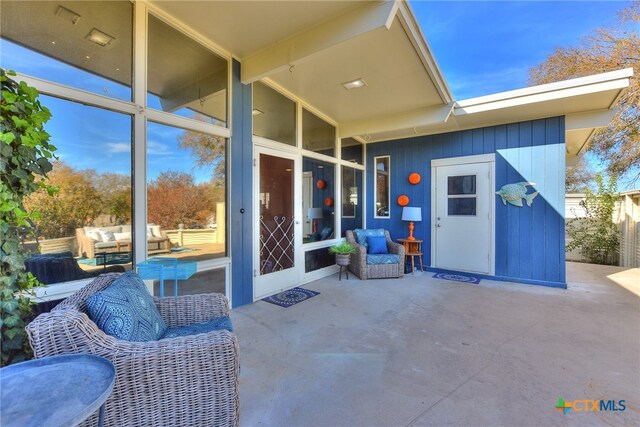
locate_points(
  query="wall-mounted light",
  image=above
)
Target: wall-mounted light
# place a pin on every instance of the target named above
(100, 38)
(354, 84)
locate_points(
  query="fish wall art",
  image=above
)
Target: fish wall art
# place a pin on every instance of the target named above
(514, 193)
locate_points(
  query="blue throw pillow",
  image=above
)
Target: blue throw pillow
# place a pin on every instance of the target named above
(377, 244)
(126, 310)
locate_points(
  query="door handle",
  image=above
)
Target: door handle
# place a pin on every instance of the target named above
(438, 225)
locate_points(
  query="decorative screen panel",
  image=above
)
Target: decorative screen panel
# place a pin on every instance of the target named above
(276, 214)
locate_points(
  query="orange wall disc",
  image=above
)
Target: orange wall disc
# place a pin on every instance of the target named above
(403, 200)
(414, 178)
(328, 201)
(321, 184)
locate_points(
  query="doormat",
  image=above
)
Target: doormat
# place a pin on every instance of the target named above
(457, 277)
(290, 297)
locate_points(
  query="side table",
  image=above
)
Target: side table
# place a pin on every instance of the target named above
(413, 249)
(55, 391)
(160, 268)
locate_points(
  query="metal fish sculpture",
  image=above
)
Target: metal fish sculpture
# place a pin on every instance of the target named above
(514, 193)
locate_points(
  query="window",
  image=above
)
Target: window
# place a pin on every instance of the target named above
(186, 193)
(461, 194)
(351, 199)
(91, 213)
(317, 135)
(45, 39)
(382, 187)
(185, 78)
(318, 193)
(352, 150)
(84, 46)
(274, 115)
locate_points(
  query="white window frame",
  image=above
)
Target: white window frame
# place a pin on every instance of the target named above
(375, 187)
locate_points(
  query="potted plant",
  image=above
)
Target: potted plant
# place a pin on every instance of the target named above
(343, 253)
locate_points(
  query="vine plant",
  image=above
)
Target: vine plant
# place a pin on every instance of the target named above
(25, 160)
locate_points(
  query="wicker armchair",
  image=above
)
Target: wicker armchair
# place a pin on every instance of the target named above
(183, 381)
(363, 270)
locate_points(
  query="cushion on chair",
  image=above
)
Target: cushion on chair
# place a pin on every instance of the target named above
(377, 245)
(361, 235)
(217, 324)
(126, 310)
(383, 259)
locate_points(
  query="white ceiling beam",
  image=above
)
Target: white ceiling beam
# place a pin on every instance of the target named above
(370, 17)
(591, 119)
(396, 122)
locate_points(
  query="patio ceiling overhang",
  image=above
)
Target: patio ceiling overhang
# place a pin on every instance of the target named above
(308, 48)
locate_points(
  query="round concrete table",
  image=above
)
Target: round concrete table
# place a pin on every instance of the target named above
(55, 391)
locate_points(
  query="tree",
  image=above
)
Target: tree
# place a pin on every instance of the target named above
(596, 235)
(173, 198)
(115, 192)
(579, 176)
(208, 150)
(607, 49)
(25, 161)
(76, 204)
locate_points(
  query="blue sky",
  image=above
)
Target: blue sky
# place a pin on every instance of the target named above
(486, 47)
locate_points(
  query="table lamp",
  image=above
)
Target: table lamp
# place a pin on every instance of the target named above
(411, 214)
(313, 215)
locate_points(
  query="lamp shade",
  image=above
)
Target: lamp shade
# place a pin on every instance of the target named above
(411, 214)
(314, 213)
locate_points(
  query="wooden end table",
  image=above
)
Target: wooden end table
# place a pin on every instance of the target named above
(413, 249)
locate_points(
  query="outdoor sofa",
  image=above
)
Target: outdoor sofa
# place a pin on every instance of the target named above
(117, 238)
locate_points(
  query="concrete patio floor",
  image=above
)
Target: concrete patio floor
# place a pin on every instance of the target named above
(421, 351)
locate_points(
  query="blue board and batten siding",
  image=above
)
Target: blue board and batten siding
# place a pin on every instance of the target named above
(529, 241)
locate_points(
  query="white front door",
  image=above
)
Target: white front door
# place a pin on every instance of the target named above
(462, 217)
(275, 222)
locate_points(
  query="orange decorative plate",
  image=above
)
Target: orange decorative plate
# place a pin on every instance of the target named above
(321, 184)
(414, 178)
(328, 201)
(403, 200)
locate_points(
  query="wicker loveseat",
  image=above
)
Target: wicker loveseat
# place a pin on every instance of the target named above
(157, 240)
(183, 381)
(368, 266)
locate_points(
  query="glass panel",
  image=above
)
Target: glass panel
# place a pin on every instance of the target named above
(462, 206)
(84, 44)
(200, 283)
(317, 259)
(318, 194)
(276, 214)
(382, 187)
(352, 150)
(317, 135)
(274, 115)
(185, 78)
(465, 184)
(351, 199)
(90, 215)
(186, 193)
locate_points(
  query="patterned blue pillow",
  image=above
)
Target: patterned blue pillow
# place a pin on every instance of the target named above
(377, 245)
(361, 235)
(215, 324)
(126, 310)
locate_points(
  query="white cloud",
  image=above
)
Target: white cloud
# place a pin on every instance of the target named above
(157, 149)
(118, 147)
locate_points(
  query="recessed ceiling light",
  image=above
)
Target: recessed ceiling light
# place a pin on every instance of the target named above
(354, 84)
(320, 167)
(53, 42)
(88, 57)
(99, 38)
(256, 112)
(67, 15)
